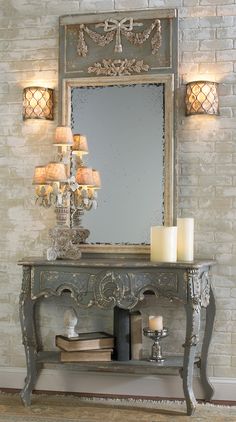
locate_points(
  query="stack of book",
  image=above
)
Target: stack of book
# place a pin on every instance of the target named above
(87, 347)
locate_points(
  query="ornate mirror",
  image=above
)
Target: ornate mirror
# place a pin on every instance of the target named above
(117, 75)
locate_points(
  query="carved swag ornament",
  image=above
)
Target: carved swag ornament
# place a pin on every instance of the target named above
(116, 29)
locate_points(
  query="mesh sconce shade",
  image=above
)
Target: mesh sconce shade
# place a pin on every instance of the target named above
(201, 98)
(37, 103)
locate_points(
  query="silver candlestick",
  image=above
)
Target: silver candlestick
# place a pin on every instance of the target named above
(156, 335)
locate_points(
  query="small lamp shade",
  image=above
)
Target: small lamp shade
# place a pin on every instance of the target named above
(84, 176)
(39, 175)
(96, 179)
(63, 136)
(56, 172)
(80, 146)
(37, 103)
(202, 98)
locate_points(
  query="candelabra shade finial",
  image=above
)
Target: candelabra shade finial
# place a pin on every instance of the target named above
(56, 172)
(201, 98)
(84, 176)
(96, 179)
(39, 177)
(37, 103)
(80, 146)
(63, 136)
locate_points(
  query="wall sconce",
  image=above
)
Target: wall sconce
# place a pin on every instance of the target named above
(201, 98)
(37, 103)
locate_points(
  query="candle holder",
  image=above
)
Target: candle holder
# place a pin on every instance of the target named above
(156, 335)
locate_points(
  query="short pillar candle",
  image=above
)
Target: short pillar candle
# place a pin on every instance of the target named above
(185, 242)
(163, 244)
(155, 323)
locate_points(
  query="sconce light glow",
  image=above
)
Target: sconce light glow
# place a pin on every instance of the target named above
(37, 103)
(202, 98)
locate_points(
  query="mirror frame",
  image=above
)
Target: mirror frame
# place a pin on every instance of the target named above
(169, 145)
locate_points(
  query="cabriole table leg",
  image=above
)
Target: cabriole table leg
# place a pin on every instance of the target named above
(28, 335)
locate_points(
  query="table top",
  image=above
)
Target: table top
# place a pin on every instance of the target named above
(115, 262)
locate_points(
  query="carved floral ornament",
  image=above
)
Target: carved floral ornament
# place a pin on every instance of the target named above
(114, 29)
(118, 67)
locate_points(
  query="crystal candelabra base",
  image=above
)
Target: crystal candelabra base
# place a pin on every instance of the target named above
(65, 242)
(156, 335)
(82, 233)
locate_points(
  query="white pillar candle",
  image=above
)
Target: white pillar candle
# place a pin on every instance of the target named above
(185, 242)
(155, 323)
(163, 244)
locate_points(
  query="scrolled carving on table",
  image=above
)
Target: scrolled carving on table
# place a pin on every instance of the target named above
(111, 67)
(113, 28)
(113, 289)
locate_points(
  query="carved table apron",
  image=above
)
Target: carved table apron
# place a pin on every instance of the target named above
(120, 282)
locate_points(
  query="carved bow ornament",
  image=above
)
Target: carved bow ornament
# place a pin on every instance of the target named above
(113, 25)
(113, 28)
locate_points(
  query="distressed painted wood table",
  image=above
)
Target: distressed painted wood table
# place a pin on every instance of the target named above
(107, 283)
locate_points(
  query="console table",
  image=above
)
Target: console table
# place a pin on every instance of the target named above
(121, 282)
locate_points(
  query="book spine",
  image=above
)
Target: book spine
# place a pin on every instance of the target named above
(121, 334)
(136, 335)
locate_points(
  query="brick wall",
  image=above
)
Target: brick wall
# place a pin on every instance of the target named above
(206, 154)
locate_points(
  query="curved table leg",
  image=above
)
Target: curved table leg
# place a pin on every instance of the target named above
(191, 340)
(28, 336)
(210, 316)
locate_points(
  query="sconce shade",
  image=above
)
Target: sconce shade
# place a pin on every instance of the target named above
(96, 179)
(37, 103)
(63, 136)
(201, 98)
(39, 175)
(84, 176)
(56, 172)
(80, 146)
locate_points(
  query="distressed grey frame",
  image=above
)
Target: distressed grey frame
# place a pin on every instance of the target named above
(167, 76)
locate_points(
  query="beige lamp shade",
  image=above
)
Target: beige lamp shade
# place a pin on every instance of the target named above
(84, 176)
(80, 145)
(96, 179)
(202, 98)
(39, 175)
(63, 136)
(37, 103)
(56, 172)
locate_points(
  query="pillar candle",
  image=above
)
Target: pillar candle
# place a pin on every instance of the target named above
(163, 244)
(155, 323)
(185, 242)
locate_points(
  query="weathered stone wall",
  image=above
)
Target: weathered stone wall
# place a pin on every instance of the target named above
(206, 155)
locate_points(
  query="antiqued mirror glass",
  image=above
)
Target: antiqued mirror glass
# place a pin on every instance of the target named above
(124, 126)
(129, 126)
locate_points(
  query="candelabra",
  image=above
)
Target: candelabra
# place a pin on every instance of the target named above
(70, 187)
